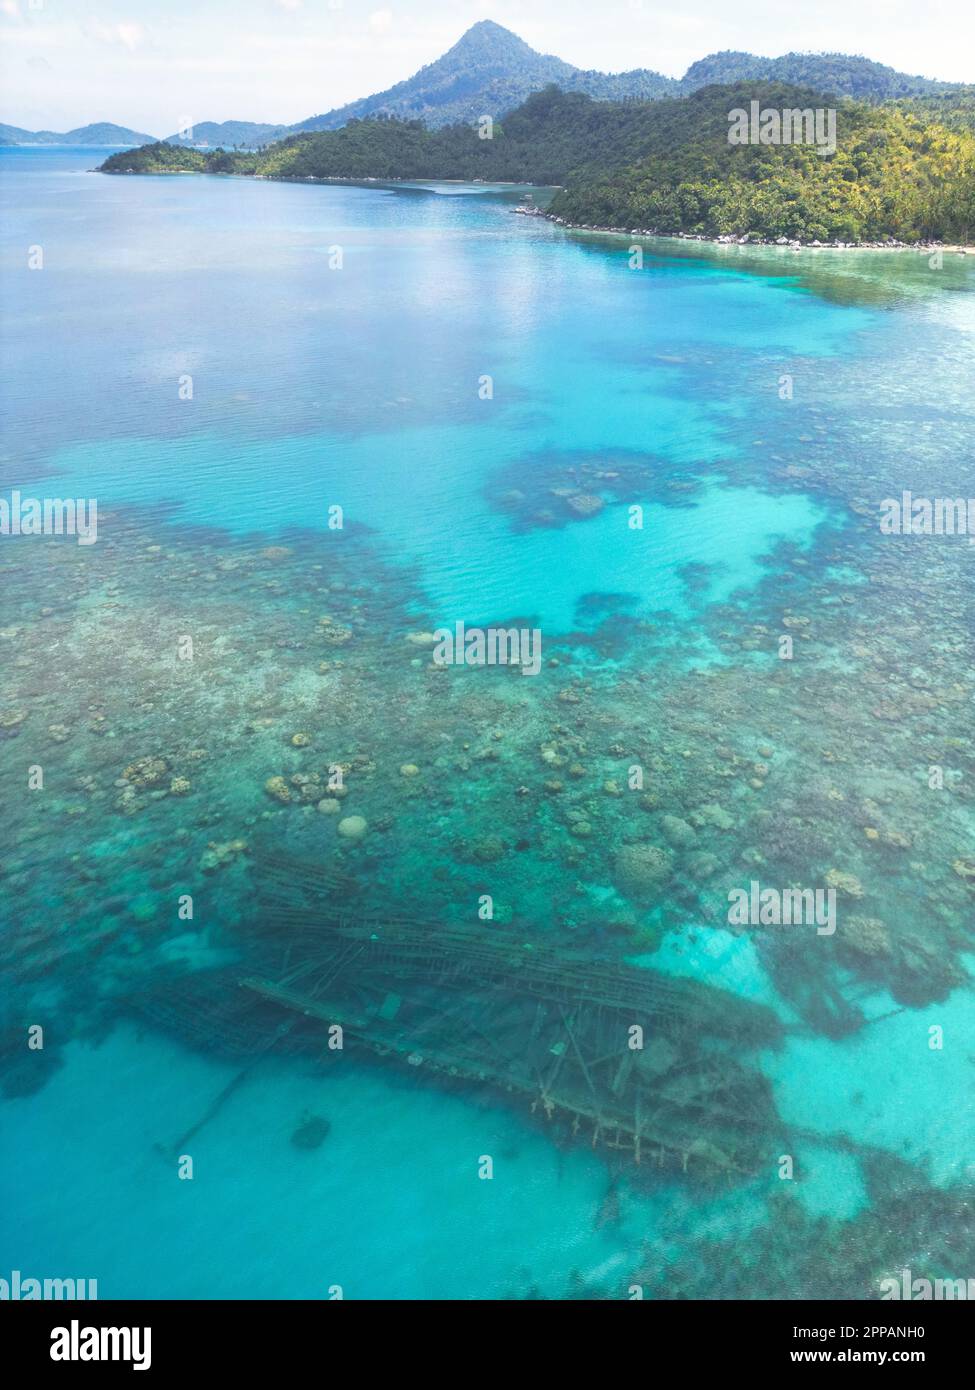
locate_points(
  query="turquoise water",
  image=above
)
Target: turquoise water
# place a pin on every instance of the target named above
(362, 387)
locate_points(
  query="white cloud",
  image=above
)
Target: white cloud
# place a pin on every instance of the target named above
(129, 34)
(381, 21)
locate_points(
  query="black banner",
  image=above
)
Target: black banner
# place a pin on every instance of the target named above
(172, 1337)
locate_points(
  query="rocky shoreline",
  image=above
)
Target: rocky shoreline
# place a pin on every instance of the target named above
(753, 238)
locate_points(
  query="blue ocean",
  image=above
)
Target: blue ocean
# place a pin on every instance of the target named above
(333, 970)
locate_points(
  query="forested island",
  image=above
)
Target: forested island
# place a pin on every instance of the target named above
(901, 170)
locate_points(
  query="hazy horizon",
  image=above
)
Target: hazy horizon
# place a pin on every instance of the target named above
(155, 65)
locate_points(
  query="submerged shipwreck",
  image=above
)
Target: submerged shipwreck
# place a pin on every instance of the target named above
(609, 1054)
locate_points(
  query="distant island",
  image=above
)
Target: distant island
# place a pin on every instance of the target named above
(903, 170)
(490, 71)
(102, 134)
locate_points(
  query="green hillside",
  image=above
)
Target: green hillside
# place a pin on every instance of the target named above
(894, 174)
(837, 73)
(159, 158)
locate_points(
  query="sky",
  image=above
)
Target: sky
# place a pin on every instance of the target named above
(159, 65)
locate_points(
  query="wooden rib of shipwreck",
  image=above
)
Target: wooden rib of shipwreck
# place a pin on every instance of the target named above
(671, 1129)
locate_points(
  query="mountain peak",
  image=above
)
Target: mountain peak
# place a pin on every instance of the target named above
(486, 40)
(489, 69)
(487, 28)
